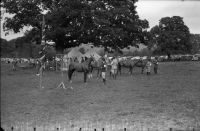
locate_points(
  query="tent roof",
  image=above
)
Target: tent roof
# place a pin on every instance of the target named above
(75, 53)
(91, 52)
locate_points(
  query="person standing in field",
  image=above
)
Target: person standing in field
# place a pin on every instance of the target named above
(82, 60)
(14, 64)
(148, 67)
(103, 71)
(38, 65)
(114, 65)
(156, 65)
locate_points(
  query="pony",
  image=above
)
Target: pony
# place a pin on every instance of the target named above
(127, 64)
(84, 67)
(140, 63)
(97, 65)
(131, 64)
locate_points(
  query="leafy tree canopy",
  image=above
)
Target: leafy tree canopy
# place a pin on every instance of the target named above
(195, 41)
(171, 36)
(112, 24)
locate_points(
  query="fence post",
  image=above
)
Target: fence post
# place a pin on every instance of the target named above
(80, 129)
(124, 129)
(170, 129)
(95, 129)
(102, 129)
(34, 129)
(57, 129)
(12, 128)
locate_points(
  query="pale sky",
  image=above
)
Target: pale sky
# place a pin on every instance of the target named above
(154, 10)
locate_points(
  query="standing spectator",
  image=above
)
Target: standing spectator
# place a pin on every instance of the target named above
(114, 65)
(38, 65)
(82, 60)
(14, 64)
(156, 65)
(54, 63)
(119, 67)
(148, 67)
(47, 66)
(103, 71)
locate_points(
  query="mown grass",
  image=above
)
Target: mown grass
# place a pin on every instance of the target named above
(170, 99)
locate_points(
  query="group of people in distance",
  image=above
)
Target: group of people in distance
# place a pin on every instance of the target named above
(115, 64)
(111, 64)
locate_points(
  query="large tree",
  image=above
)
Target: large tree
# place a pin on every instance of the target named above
(195, 41)
(111, 24)
(171, 36)
(119, 24)
(7, 47)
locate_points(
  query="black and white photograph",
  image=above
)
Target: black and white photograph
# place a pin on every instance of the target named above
(100, 65)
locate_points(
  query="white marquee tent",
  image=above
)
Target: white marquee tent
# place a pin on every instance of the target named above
(74, 53)
(93, 53)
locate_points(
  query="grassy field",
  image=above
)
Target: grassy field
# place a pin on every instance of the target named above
(170, 99)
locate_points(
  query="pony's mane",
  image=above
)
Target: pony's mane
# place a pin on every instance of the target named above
(88, 61)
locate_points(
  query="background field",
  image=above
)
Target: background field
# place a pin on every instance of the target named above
(170, 99)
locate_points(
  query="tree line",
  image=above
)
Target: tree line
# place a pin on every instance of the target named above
(114, 25)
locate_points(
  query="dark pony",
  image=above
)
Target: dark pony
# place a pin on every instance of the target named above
(97, 65)
(126, 64)
(84, 67)
(140, 63)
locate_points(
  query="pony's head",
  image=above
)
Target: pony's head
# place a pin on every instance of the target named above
(90, 60)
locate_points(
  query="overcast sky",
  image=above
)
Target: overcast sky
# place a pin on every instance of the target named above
(154, 10)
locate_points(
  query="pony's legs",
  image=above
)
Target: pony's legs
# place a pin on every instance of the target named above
(115, 74)
(131, 70)
(142, 71)
(70, 73)
(119, 71)
(85, 76)
(90, 72)
(98, 70)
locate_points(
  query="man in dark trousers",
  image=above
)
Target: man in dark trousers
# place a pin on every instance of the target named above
(156, 65)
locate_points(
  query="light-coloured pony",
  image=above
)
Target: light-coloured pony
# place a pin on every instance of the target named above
(130, 64)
